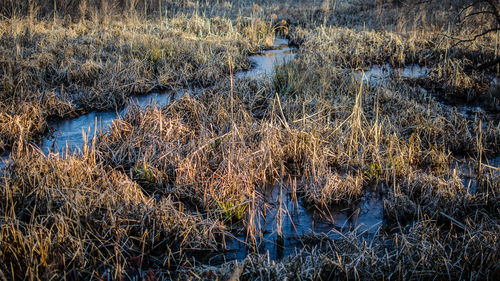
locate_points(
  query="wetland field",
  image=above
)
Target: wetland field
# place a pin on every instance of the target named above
(249, 140)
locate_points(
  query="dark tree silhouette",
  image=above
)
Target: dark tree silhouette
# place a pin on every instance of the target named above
(486, 14)
(483, 16)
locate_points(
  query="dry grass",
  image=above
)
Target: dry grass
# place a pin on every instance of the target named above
(422, 251)
(80, 219)
(165, 185)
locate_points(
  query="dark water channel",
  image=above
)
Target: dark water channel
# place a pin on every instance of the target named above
(284, 225)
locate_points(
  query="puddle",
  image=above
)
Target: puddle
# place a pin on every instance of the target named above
(300, 227)
(159, 99)
(265, 62)
(69, 132)
(3, 160)
(467, 171)
(379, 75)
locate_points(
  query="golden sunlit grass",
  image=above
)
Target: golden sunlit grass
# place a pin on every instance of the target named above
(162, 189)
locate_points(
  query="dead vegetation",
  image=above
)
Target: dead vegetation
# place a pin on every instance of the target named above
(77, 218)
(165, 185)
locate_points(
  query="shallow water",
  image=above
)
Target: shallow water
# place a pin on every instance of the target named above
(467, 171)
(3, 160)
(265, 62)
(301, 227)
(68, 133)
(379, 75)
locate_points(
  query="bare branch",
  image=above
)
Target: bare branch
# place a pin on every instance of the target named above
(479, 13)
(474, 38)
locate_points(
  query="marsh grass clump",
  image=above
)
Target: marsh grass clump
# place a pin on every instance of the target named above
(199, 147)
(332, 188)
(24, 122)
(75, 216)
(25, 119)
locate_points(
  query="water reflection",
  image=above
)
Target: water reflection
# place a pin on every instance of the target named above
(265, 62)
(378, 75)
(281, 211)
